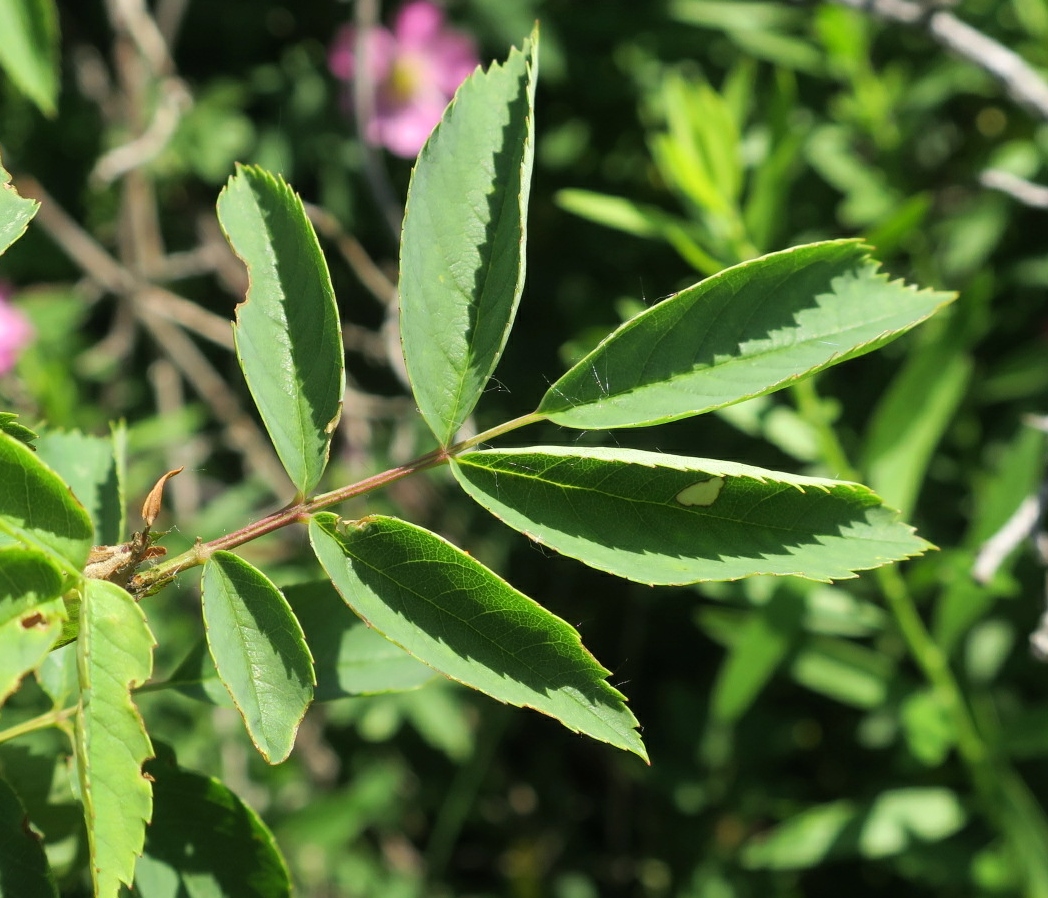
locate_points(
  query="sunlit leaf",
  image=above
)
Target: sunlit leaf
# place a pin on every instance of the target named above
(29, 50)
(666, 519)
(114, 654)
(15, 211)
(746, 331)
(454, 614)
(31, 613)
(10, 424)
(894, 821)
(37, 508)
(462, 253)
(259, 652)
(287, 333)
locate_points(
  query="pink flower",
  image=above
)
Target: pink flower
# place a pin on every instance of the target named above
(415, 69)
(15, 331)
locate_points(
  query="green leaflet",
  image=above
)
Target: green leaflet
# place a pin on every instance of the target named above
(24, 871)
(353, 658)
(454, 614)
(259, 652)
(912, 417)
(29, 51)
(664, 519)
(287, 333)
(762, 643)
(93, 469)
(233, 853)
(743, 332)
(9, 423)
(15, 211)
(37, 508)
(845, 671)
(31, 613)
(462, 254)
(114, 654)
(894, 821)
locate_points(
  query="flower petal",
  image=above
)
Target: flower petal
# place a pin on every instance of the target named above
(380, 49)
(15, 334)
(418, 23)
(404, 129)
(453, 56)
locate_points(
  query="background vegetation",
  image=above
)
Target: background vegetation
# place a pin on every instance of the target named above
(803, 740)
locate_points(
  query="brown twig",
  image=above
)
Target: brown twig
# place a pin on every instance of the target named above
(363, 266)
(1020, 80)
(239, 429)
(173, 102)
(156, 315)
(185, 491)
(1026, 192)
(106, 271)
(364, 20)
(131, 17)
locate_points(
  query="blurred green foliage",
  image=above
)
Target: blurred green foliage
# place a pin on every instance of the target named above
(797, 748)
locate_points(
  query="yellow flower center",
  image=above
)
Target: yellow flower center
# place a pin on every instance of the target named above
(403, 80)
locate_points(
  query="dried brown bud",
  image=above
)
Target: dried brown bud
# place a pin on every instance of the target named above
(151, 507)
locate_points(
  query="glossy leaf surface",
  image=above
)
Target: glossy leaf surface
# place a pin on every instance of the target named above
(665, 519)
(454, 614)
(462, 253)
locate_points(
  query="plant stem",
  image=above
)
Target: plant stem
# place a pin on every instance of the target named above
(300, 511)
(924, 650)
(48, 719)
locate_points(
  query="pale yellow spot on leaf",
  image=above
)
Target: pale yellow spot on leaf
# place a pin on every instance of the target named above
(703, 493)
